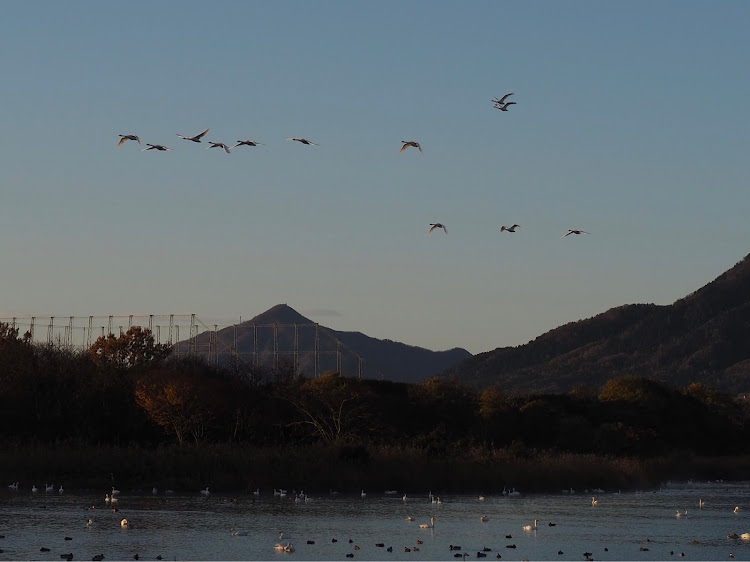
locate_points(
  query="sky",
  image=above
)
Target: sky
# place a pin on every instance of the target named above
(630, 122)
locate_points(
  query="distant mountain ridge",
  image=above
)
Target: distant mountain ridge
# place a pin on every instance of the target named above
(703, 337)
(283, 334)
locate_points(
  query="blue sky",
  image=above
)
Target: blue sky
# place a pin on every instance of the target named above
(631, 122)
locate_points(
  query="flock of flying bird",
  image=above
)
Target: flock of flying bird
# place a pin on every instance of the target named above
(498, 103)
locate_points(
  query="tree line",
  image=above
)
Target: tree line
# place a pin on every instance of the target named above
(128, 390)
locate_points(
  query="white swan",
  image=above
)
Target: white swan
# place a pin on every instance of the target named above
(154, 490)
(700, 503)
(196, 138)
(206, 492)
(124, 524)
(410, 518)
(13, 487)
(115, 492)
(594, 501)
(49, 488)
(106, 498)
(530, 528)
(431, 525)
(481, 498)
(403, 497)
(34, 489)
(745, 536)
(61, 489)
(256, 493)
(363, 494)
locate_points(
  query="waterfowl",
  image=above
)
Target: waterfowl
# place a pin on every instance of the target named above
(61, 489)
(409, 518)
(34, 489)
(303, 141)
(49, 487)
(501, 101)
(574, 231)
(434, 225)
(363, 495)
(246, 143)
(124, 138)
(124, 524)
(155, 147)
(484, 518)
(407, 144)
(732, 535)
(454, 547)
(736, 509)
(13, 487)
(510, 228)
(256, 493)
(379, 544)
(745, 536)
(594, 501)
(218, 145)
(431, 524)
(206, 492)
(531, 528)
(196, 138)
(700, 503)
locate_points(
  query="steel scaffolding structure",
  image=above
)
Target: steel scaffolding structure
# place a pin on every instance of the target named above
(304, 345)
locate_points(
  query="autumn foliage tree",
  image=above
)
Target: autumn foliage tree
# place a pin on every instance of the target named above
(173, 401)
(134, 348)
(333, 408)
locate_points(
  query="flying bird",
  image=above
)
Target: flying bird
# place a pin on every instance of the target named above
(576, 231)
(434, 225)
(415, 144)
(196, 138)
(510, 228)
(303, 141)
(155, 147)
(246, 143)
(501, 101)
(501, 104)
(218, 145)
(124, 138)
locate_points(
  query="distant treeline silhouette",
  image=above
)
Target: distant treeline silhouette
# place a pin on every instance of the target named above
(126, 392)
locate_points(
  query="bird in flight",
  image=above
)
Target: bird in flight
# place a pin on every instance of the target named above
(434, 225)
(246, 143)
(218, 145)
(574, 231)
(501, 104)
(407, 144)
(196, 138)
(124, 138)
(155, 147)
(303, 141)
(510, 228)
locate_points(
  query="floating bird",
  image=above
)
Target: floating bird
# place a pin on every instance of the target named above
(13, 487)
(246, 143)
(196, 138)
(529, 527)
(61, 490)
(205, 492)
(510, 228)
(34, 489)
(484, 518)
(303, 141)
(415, 144)
(433, 226)
(363, 495)
(124, 524)
(594, 501)
(218, 145)
(155, 147)
(124, 138)
(431, 524)
(574, 231)
(700, 503)
(410, 518)
(736, 509)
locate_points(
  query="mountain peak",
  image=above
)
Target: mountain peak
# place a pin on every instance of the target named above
(279, 314)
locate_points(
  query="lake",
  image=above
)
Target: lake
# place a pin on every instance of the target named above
(197, 527)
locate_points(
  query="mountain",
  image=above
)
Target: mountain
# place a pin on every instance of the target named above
(703, 337)
(282, 336)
